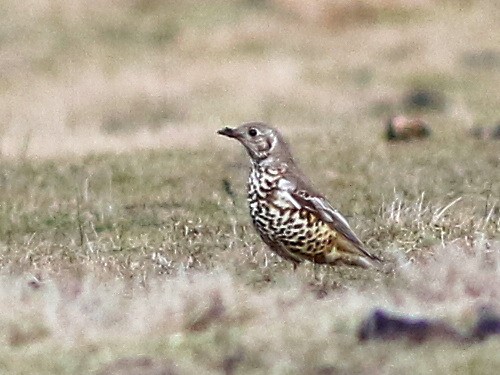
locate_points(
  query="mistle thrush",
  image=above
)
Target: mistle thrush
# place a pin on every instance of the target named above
(294, 220)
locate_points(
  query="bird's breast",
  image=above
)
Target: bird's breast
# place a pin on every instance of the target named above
(279, 217)
(261, 183)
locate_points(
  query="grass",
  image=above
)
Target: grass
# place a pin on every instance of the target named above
(125, 241)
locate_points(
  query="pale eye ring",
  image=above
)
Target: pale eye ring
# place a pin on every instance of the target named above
(252, 132)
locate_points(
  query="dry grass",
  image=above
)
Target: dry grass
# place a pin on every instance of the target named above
(200, 320)
(124, 237)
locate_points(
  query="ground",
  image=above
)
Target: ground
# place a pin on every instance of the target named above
(125, 242)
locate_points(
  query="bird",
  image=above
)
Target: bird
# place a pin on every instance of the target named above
(292, 218)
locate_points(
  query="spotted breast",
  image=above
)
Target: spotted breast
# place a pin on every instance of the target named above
(290, 230)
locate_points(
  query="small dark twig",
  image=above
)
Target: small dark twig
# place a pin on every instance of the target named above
(228, 188)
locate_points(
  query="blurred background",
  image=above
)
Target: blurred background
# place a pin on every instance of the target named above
(86, 76)
(160, 242)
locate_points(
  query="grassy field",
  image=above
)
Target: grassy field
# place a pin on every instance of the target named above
(125, 243)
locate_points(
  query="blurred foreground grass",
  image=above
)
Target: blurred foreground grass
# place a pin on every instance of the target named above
(149, 251)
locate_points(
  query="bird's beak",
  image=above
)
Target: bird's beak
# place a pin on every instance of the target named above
(228, 132)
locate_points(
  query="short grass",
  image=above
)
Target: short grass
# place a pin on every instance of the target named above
(124, 233)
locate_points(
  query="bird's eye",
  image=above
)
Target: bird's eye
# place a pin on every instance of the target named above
(252, 132)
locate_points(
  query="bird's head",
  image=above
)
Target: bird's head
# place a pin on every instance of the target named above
(262, 142)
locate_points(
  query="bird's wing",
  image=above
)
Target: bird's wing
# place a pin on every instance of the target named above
(321, 208)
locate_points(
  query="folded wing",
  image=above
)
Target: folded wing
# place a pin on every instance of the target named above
(321, 208)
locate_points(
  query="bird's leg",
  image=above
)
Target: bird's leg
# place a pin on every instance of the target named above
(316, 271)
(329, 271)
